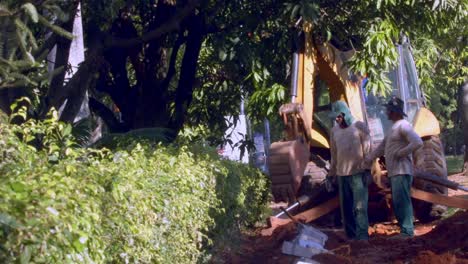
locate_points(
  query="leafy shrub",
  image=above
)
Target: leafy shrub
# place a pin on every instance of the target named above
(142, 203)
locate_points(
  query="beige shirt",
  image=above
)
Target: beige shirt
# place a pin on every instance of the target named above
(349, 146)
(398, 147)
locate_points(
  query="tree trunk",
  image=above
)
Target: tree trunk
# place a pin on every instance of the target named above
(465, 163)
(5, 101)
(188, 72)
(156, 98)
(152, 107)
(464, 108)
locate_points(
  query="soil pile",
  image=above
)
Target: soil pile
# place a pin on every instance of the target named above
(449, 234)
(430, 257)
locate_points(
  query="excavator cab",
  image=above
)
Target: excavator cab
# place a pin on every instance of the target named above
(404, 83)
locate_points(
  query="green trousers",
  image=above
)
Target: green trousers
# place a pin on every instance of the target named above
(401, 202)
(353, 203)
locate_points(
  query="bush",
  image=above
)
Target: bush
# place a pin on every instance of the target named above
(142, 203)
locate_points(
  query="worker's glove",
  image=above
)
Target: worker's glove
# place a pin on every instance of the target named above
(330, 181)
(367, 178)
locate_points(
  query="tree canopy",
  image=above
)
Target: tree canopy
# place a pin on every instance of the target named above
(168, 63)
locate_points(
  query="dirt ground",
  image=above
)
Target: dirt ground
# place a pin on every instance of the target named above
(443, 241)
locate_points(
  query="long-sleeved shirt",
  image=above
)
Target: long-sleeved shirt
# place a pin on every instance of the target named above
(349, 147)
(398, 147)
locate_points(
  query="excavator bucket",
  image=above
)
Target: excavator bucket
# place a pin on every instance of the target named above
(287, 162)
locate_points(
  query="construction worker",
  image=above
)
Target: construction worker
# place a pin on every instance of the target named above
(350, 144)
(398, 146)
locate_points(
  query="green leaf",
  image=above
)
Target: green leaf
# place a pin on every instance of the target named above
(329, 35)
(53, 158)
(4, 11)
(235, 40)
(67, 130)
(379, 4)
(32, 11)
(80, 244)
(25, 257)
(295, 12)
(257, 77)
(222, 55)
(18, 186)
(232, 54)
(7, 220)
(58, 30)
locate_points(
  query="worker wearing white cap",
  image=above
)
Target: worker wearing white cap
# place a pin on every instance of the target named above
(398, 146)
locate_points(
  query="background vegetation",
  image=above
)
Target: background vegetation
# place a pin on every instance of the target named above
(187, 63)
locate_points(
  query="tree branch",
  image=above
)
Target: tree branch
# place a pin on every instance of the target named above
(212, 28)
(47, 46)
(120, 89)
(169, 26)
(173, 60)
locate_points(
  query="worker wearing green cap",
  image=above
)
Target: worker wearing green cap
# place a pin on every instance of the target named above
(398, 146)
(349, 145)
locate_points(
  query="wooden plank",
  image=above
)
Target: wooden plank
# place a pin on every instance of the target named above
(328, 206)
(306, 216)
(318, 211)
(439, 199)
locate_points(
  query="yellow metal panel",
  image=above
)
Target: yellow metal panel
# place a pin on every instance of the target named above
(300, 82)
(336, 75)
(331, 70)
(308, 80)
(354, 100)
(327, 74)
(319, 138)
(426, 124)
(329, 63)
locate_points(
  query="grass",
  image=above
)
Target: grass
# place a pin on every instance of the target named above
(454, 164)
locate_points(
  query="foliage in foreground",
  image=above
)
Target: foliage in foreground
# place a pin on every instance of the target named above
(141, 203)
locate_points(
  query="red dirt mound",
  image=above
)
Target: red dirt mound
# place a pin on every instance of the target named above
(452, 233)
(428, 256)
(445, 244)
(264, 249)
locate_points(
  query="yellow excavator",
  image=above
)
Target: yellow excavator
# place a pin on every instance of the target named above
(299, 163)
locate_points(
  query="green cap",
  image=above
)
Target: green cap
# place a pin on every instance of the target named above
(340, 107)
